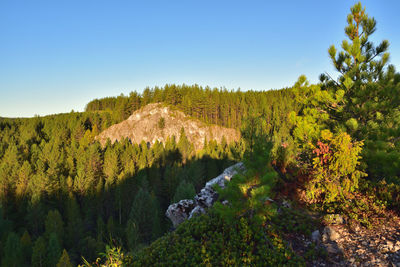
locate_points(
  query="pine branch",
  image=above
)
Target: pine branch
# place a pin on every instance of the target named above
(332, 78)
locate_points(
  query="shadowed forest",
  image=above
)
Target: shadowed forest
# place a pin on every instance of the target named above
(59, 185)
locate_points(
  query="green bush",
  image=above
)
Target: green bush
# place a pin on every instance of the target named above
(213, 241)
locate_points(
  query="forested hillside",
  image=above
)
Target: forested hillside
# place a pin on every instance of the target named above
(157, 122)
(328, 149)
(61, 190)
(211, 105)
(334, 149)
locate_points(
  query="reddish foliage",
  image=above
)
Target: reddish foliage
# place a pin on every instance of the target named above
(323, 152)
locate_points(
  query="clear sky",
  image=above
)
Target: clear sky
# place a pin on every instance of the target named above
(56, 56)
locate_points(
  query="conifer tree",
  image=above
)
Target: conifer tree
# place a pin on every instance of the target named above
(144, 213)
(53, 250)
(39, 253)
(64, 260)
(132, 234)
(184, 146)
(111, 166)
(371, 93)
(5, 225)
(26, 246)
(249, 193)
(54, 224)
(12, 251)
(111, 228)
(361, 65)
(23, 179)
(74, 225)
(185, 190)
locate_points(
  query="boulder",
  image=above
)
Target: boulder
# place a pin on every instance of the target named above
(197, 210)
(179, 212)
(330, 234)
(315, 236)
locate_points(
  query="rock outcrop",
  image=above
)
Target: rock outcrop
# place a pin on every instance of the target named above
(187, 208)
(157, 122)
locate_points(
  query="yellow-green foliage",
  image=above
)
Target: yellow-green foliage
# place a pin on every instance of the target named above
(313, 115)
(113, 257)
(335, 172)
(249, 193)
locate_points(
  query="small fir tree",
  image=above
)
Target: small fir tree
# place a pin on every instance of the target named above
(64, 260)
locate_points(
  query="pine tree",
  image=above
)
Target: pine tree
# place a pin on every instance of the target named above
(23, 177)
(26, 246)
(9, 167)
(54, 224)
(111, 166)
(132, 234)
(371, 93)
(144, 213)
(39, 253)
(249, 193)
(64, 260)
(184, 146)
(111, 228)
(361, 64)
(185, 190)
(74, 225)
(12, 251)
(5, 225)
(53, 250)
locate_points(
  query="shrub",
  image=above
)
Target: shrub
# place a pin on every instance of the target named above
(335, 173)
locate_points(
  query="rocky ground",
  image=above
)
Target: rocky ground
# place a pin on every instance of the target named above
(357, 246)
(347, 245)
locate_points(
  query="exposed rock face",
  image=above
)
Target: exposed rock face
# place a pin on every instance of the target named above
(144, 125)
(179, 212)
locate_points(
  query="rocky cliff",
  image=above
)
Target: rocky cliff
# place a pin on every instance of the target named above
(158, 122)
(187, 208)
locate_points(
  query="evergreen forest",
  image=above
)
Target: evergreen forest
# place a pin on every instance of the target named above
(332, 147)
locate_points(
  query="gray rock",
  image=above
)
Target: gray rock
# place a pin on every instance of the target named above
(196, 211)
(206, 197)
(315, 236)
(332, 248)
(187, 208)
(225, 202)
(225, 176)
(179, 212)
(330, 233)
(286, 204)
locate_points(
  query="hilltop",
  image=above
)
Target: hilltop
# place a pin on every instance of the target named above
(156, 122)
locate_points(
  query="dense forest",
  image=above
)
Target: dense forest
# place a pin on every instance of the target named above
(56, 178)
(217, 106)
(61, 190)
(334, 147)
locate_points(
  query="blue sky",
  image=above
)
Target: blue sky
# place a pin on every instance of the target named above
(56, 56)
